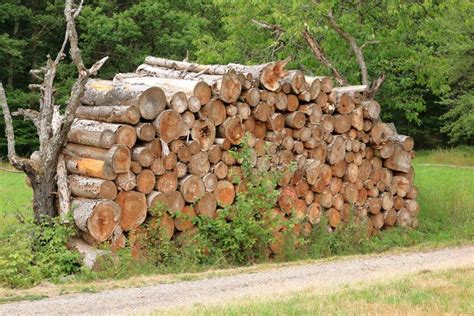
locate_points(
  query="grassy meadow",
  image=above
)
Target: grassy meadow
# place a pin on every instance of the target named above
(428, 293)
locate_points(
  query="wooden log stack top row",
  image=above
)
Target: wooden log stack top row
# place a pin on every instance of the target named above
(163, 134)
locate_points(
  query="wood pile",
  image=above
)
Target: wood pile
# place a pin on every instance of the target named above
(163, 134)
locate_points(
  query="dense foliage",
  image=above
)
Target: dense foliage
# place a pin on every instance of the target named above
(423, 47)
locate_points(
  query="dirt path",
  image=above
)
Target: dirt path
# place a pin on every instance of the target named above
(271, 282)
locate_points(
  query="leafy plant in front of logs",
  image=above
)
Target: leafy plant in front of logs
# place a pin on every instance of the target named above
(241, 233)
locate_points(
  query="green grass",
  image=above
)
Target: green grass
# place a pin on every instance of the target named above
(461, 156)
(426, 293)
(15, 195)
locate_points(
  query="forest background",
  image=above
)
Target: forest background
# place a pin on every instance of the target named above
(425, 49)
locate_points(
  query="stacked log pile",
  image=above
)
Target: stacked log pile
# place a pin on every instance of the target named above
(163, 135)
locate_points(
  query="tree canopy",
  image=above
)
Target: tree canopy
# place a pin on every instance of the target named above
(424, 49)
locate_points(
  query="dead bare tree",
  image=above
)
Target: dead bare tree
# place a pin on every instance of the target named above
(52, 127)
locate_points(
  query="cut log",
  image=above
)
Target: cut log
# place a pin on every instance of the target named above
(90, 168)
(167, 183)
(270, 75)
(102, 139)
(262, 111)
(155, 147)
(225, 193)
(399, 161)
(342, 123)
(98, 218)
(188, 118)
(380, 133)
(169, 126)
(228, 88)
(287, 199)
(92, 188)
(233, 130)
(118, 156)
(371, 109)
(143, 155)
(296, 80)
(210, 182)
(170, 161)
(204, 132)
(126, 181)
(124, 134)
(175, 202)
(135, 167)
(251, 96)
(295, 120)
(149, 100)
(345, 104)
(214, 154)
(292, 102)
(145, 132)
(109, 114)
(207, 205)
(337, 150)
(358, 119)
(157, 166)
(406, 142)
(192, 188)
(326, 83)
(199, 164)
(184, 221)
(134, 209)
(145, 181)
(215, 111)
(334, 217)
(314, 213)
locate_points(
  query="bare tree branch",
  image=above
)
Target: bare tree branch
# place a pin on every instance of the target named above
(277, 31)
(31, 115)
(16, 162)
(374, 88)
(369, 43)
(321, 57)
(353, 43)
(73, 38)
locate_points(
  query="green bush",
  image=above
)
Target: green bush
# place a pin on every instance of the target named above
(30, 253)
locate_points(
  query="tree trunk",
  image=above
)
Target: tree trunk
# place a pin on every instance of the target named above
(118, 156)
(109, 114)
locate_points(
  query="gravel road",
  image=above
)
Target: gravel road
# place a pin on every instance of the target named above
(265, 283)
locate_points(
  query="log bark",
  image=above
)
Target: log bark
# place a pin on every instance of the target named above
(109, 114)
(118, 156)
(148, 99)
(124, 134)
(92, 188)
(90, 168)
(102, 139)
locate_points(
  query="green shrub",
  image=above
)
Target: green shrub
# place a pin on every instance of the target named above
(30, 253)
